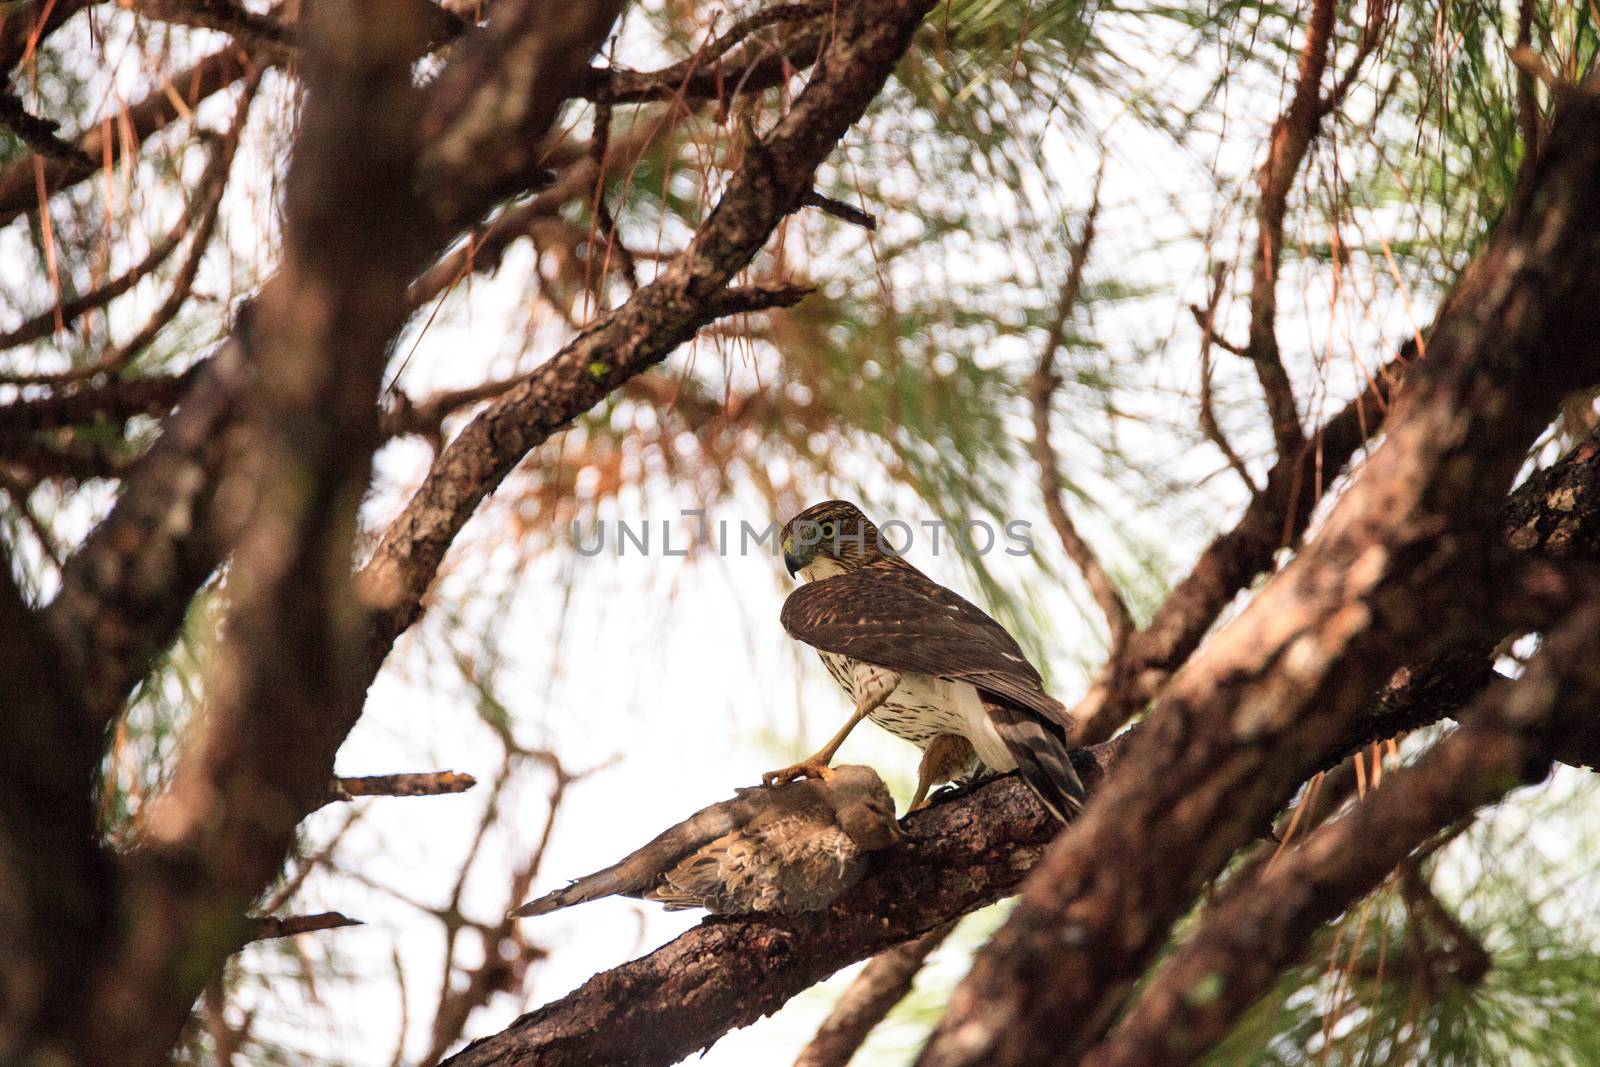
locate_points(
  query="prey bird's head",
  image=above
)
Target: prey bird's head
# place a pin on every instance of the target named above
(830, 538)
(863, 807)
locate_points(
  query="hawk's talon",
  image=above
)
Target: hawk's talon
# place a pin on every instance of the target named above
(797, 772)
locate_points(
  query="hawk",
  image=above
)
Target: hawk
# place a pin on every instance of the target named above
(916, 658)
(767, 850)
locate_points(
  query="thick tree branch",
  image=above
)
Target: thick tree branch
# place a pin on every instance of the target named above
(319, 335)
(684, 296)
(1404, 566)
(125, 590)
(1240, 946)
(57, 905)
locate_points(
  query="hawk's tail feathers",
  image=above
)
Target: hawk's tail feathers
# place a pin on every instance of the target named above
(601, 884)
(1042, 760)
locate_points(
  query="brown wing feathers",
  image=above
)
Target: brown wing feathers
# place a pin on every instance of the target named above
(902, 619)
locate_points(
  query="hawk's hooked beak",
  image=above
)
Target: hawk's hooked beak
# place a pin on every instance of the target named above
(791, 562)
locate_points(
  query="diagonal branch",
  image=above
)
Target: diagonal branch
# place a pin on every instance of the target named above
(1241, 945)
(882, 983)
(684, 295)
(1291, 137)
(1404, 567)
(1041, 388)
(1275, 519)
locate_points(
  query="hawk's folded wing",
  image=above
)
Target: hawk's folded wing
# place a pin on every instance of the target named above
(904, 620)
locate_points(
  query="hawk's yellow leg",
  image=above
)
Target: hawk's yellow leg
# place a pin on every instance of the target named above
(944, 758)
(872, 686)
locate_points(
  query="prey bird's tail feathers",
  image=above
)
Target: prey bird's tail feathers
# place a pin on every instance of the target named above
(639, 871)
(1042, 758)
(604, 883)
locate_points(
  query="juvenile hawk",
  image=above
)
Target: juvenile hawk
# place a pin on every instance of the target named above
(767, 850)
(916, 658)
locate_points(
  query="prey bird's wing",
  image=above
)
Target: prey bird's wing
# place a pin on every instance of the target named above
(904, 620)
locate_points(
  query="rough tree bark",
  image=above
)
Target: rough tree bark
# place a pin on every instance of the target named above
(1406, 561)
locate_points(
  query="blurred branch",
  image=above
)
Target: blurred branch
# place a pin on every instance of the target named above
(224, 16)
(125, 590)
(498, 971)
(484, 248)
(731, 970)
(37, 133)
(1041, 389)
(417, 784)
(202, 214)
(28, 24)
(176, 97)
(1529, 122)
(1288, 142)
(1239, 947)
(840, 210)
(1206, 319)
(882, 983)
(707, 75)
(265, 929)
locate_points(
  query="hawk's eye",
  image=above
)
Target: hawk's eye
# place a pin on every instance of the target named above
(828, 530)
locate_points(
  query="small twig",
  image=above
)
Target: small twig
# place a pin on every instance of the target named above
(1288, 143)
(1208, 416)
(614, 86)
(203, 214)
(605, 220)
(840, 210)
(1204, 317)
(1041, 389)
(418, 784)
(268, 928)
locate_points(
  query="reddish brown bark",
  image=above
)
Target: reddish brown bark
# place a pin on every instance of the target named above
(1405, 562)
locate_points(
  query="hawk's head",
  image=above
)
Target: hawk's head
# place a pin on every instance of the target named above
(830, 538)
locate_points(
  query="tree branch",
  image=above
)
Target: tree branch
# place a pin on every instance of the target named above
(882, 983)
(1404, 566)
(1240, 946)
(1041, 388)
(267, 929)
(1275, 519)
(663, 314)
(728, 972)
(417, 784)
(1291, 137)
